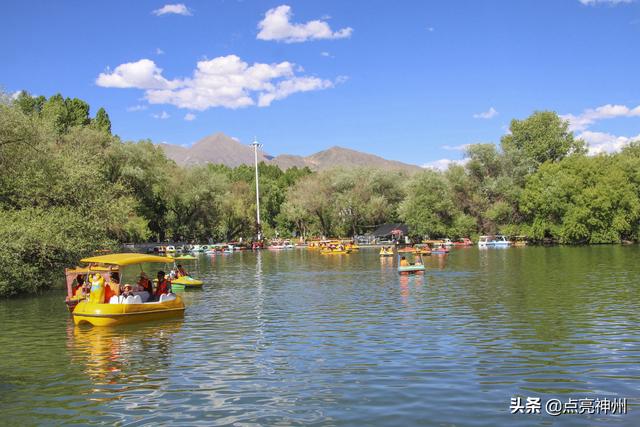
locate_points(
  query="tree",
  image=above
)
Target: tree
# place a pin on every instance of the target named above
(102, 121)
(428, 209)
(313, 195)
(195, 198)
(542, 137)
(144, 170)
(77, 112)
(236, 212)
(582, 200)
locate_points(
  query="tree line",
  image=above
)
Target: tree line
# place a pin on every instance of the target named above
(69, 187)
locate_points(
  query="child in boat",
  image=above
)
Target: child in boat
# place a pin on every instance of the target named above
(404, 262)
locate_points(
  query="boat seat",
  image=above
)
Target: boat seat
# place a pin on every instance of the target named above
(143, 295)
(167, 297)
(114, 300)
(132, 299)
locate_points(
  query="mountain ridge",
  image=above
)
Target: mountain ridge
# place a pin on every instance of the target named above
(219, 148)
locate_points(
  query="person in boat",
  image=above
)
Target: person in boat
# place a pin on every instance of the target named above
(181, 272)
(144, 284)
(127, 291)
(164, 286)
(79, 289)
(404, 262)
(113, 287)
(417, 261)
(145, 287)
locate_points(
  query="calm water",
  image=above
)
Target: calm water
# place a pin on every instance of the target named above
(296, 338)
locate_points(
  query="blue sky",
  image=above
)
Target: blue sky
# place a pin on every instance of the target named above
(413, 81)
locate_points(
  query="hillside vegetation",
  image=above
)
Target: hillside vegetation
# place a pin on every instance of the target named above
(69, 187)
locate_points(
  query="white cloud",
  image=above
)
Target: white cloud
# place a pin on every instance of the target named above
(460, 147)
(601, 142)
(276, 26)
(443, 164)
(590, 116)
(291, 86)
(609, 2)
(490, 113)
(225, 81)
(326, 54)
(177, 9)
(162, 116)
(143, 74)
(431, 29)
(189, 117)
(159, 51)
(136, 108)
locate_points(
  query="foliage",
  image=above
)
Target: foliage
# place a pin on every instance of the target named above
(69, 187)
(102, 121)
(542, 137)
(582, 200)
(342, 201)
(38, 243)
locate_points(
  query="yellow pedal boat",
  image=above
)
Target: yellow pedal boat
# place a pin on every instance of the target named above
(386, 252)
(185, 282)
(122, 314)
(335, 252)
(109, 314)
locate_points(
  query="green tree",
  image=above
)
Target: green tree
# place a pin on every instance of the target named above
(143, 169)
(542, 137)
(102, 121)
(429, 209)
(582, 200)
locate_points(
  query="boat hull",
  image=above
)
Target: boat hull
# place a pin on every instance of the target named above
(123, 314)
(412, 269)
(186, 282)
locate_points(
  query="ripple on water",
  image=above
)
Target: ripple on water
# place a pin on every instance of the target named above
(295, 338)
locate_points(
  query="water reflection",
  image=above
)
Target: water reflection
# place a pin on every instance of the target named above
(406, 282)
(116, 355)
(386, 262)
(295, 338)
(436, 261)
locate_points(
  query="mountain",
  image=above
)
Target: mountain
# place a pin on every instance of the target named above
(216, 148)
(220, 148)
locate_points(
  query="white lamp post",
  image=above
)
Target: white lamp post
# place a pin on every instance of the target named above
(255, 146)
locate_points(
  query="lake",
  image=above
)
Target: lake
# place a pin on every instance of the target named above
(298, 338)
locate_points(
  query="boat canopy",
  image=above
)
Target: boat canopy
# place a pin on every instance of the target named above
(127, 259)
(85, 270)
